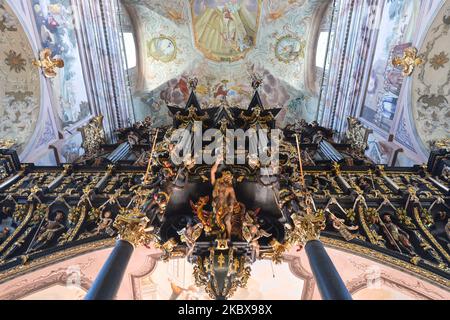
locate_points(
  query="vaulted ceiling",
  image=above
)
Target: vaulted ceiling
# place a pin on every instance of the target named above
(222, 43)
(19, 92)
(431, 83)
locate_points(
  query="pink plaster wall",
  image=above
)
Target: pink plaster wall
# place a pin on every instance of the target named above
(356, 272)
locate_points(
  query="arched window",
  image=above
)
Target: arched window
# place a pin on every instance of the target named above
(322, 46)
(130, 50)
(129, 39)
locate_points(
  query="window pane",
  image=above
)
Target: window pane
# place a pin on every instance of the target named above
(130, 50)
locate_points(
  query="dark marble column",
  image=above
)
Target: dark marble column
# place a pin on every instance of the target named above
(328, 280)
(109, 279)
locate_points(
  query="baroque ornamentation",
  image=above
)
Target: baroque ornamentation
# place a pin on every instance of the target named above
(408, 62)
(442, 144)
(308, 226)
(133, 227)
(93, 136)
(219, 264)
(289, 49)
(357, 135)
(48, 63)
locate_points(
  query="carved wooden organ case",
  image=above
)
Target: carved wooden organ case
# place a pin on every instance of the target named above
(132, 189)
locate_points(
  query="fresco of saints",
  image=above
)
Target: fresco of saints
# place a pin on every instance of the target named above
(225, 30)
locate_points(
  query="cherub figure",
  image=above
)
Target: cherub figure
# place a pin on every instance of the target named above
(343, 229)
(251, 230)
(189, 235)
(50, 231)
(104, 224)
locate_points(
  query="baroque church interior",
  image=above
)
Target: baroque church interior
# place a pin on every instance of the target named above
(121, 175)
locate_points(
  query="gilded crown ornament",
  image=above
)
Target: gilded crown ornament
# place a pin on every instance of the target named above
(257, 81)
(193, 83)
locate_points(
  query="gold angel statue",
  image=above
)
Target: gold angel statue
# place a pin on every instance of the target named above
(48, 64)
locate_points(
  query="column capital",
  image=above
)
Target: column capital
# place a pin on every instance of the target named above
(132, 226)
(308, 226)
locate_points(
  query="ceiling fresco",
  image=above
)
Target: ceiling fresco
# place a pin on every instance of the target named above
(385, 81)
(431, 83)
(55, 22)
(222, 43)
(20, 90)
(174, 281)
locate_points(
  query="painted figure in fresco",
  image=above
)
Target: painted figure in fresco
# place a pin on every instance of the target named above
(224, 202)
(50, 231)
(225, 28)
(396, 236)
(191, 293)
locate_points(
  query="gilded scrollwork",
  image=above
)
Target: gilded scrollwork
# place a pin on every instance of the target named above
(133, 227)
(409, 61)
(93, 136)
(357, 136)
